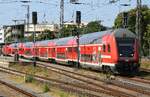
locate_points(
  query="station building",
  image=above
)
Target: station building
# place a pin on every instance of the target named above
(15, 33)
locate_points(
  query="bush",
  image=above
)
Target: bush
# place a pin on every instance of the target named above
(28, 78)
(46, 88)
(63, 94)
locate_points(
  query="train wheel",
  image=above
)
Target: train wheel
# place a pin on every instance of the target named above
(76, 64)
(107, 69)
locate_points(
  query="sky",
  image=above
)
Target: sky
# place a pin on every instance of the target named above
(49, 10)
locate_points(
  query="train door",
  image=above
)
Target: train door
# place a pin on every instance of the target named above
(99, 57)
(95, 57)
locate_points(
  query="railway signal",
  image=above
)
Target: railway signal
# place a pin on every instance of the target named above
(34, 18)
(34, 22)
(78, 22)
(78, 17)
(125, 19)
(16, 56)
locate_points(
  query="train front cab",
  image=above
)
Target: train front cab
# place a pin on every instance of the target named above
(125, 55)
(124, 58)
(128, 62)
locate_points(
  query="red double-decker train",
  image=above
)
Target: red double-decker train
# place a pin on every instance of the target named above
(111, 50)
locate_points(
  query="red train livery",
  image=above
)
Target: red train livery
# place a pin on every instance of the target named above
(111, 50)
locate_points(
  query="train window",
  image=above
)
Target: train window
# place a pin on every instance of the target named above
(86, 57)
(109, 48)
(94, 58)
(69, 49)
(36, 51)
(43, 52)
(104, 48)
(61, 55)
(72, 49)
(75, 49)
(53, 50)
(20, 49)
(125, 47)
(27, 52)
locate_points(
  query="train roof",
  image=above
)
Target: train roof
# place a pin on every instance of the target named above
(119, 33)
(96, 37)
(91, 38)
(63, 41)
(28, 44)
(43, 43)
(12, 45)
(84, 39)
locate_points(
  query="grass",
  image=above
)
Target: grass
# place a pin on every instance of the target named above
(63, 94)
(43, 87)
(46, 88)
(28, 78)
(145, 64)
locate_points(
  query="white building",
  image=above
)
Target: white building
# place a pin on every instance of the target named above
(39, 28)
(20, 30)
(1, 36)
(66, 24)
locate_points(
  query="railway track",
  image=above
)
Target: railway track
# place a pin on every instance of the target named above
(82, 89)
(140, 79)
(144, 69)
(17, 89)
(94, 80)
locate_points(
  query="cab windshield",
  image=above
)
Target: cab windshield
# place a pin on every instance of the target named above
(125, 47)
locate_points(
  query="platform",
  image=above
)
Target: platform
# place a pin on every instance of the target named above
(6, 61)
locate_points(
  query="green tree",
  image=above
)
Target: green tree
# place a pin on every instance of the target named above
(67, 30)
(94, 26)
(71, 30)
(30, 38)
(147, 40)
(145, 18)
(47, 34)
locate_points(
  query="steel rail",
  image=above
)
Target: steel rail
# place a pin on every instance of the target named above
(113, 82)
(17, 89)
(82, 89)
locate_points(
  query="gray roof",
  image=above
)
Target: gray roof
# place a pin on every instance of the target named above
(13, 45)
(91, 38)
(63, 41)
(28, 44)
(43, 43)
(119, 33)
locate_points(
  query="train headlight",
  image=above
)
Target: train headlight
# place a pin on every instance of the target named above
(120, 54)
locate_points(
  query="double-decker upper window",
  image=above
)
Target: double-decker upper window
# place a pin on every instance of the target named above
(104, 48)
(109, 50)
